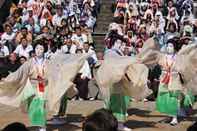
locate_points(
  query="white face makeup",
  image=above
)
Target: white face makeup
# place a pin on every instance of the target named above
(39, 50)
(170, 48)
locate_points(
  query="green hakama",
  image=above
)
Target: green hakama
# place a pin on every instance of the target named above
(119, 104)
(170, 102)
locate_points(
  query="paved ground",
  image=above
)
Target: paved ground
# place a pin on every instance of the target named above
(142, 117)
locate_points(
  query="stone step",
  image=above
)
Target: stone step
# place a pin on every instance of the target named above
(107, 2)
(105, 17)
(103, 14)
(99, 42)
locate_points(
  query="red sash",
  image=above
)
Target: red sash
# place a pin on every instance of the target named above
(41, 84)
(166, 78)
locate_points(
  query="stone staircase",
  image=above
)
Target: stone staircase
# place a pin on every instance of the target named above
(195, 8)
(104, 19)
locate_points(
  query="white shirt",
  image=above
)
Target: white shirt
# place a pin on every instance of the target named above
(58, 19)
(4, 51)
(23, 52)
(85, 70)
(80, 39)
(8, 37)
(73, 49)
(90, 51)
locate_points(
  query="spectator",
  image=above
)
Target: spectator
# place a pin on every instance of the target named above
(82, 79)
(69, 47)
(23, 33)
(72, 21)
(8, 36)
(24, 48)
(32, 26)
(29, 14)
(12, 64)
(4, 52)
(57, 18)
(15, 127)
(22, 60)
(100, 120)
(79, 38)
(46, 18)
(87, 49)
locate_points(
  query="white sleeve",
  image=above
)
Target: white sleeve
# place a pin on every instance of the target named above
(85, 70)
(30, 48)
(85, 38)
(73, 38)
(73, 49)
(94, 57)
(6, 51)
(17, 49)
(64, 49)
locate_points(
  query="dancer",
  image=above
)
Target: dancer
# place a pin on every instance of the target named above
(36, 86)
(117, 83)
(36, 108)
(178, 79)
(171, 101)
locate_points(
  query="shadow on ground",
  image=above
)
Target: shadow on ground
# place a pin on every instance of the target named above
(133, 124)
(138, 112)
(73, 123)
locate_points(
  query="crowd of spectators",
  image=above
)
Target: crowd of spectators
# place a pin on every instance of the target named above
(138, 20)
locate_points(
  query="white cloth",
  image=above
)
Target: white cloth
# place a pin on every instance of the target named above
(13, 87)
(64, 49)
(23, 52)
(85, 70)
(8, 37)
(90, 51)
(4, 51)
(80, 39)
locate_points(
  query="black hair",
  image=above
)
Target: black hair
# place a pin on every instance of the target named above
(175, 42)
(42, 43)
(77, 27)
(15, 127)
(23, 28)
(22, 57)
(79, 50)
(100, 120)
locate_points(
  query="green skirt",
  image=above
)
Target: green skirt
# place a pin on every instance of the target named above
(169, 102)
(37, 112)
(118, 105)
